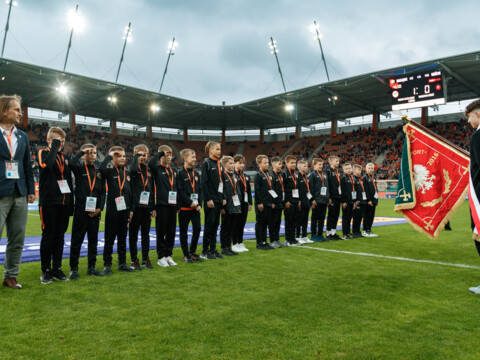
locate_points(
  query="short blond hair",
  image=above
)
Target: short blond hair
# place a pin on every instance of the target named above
(140, 147)
(316, 161)
(302, 162)
(260, 158)
(87, 146)
(289, 158)
(116, 148)
(56, 130)
(225, 159)
(186, 152)
(164, 148)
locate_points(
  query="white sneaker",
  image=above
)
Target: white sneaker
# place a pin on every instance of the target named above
(365, 234)
(475, 290)
(243, 247)
(236, 248)
(163, 262)
(287, 244)
(171, 262)
(307, 240)
(300, 240)
(372, 234)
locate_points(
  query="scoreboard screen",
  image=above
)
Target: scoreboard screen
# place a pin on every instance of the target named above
(418, 90)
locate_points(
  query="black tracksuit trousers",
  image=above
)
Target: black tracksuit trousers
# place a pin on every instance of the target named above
(84, 224)
(54, 224)
(141, 220)
(184, 218)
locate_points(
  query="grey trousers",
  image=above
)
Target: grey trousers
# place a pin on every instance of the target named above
(13, 215)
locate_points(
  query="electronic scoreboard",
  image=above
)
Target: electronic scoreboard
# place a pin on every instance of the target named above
(418, 90)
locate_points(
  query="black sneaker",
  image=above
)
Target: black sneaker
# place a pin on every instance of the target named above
(46, 277)
(226, 252)
(217, 254)
(74, 275)
(136, 265)
(147, 264)
(107, 270)
(124, 267)
(94, 272)
(232, 252)
(188, 259)
(59, 275)
(336, 237)
(196, 257)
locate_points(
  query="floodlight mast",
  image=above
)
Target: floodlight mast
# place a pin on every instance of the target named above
(7, 26)
(274, 51)
(171, 51)
(315, 28)
(70, 41)
(128, 31)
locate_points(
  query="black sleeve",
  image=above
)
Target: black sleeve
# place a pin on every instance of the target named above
(134, 165)
(249, 191)
(103, 195)
(152, 164)
(343, 184)
(199, 189)
(75, 161)
(49, 160)
(27, 167)
(204, 181)
(104, 164)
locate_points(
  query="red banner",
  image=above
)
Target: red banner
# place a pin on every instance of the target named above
(437, 181)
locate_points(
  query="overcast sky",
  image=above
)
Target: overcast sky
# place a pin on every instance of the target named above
(223, 52)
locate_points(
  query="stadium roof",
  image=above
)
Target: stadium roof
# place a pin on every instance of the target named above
(356, 96)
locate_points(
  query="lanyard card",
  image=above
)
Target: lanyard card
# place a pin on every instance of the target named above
(194, 198)
(339, 190)
(295, 193)
(354, 195)
(283, 196)
(309, 195)
(245, 197)
(220, 187)
(12, 170)
(90, 204)
(172, 197)
(144, 197)
(63, 185)
(120, 202)
(236, 201)
(273, 193)
(376, 195)
(364, 195)
(323, 191)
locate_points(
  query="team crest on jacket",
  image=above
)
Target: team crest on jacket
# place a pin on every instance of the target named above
(149, 174)
(196, 178)
(99, 175)
(128, 177)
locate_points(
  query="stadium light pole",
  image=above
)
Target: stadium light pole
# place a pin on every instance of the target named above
(317, 36)
(172, 45)
(10, 3)
(274, 51)
(76, 22)
(127, 37)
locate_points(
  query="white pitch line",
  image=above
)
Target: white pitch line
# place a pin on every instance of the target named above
(392, 257)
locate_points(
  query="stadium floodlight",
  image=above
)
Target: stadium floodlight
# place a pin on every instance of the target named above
(154, 108)
(127, 38)
(76, 22)
(315, 29)
(62, 89)
(289, 107)
(112, 99)
(334, 98)
(172, 45)
(10, 3)
(274, 51)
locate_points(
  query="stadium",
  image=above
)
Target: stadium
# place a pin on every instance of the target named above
(396, 296)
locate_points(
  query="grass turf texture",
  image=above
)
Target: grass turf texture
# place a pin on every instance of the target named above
(290, 303)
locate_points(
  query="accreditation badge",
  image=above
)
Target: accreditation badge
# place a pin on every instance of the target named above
(144, 197)
(339, 190)
(375, 195)
(63, 185)
(90, 204)
(236, 201)
(194, 198)
(364, 195)
(12, 170)
(120, 202)
(220, 188)
(172, 197)
(354, 195)
(295, 193)
(309, 195)
(323, 191)
(245, 197)
(273, 193)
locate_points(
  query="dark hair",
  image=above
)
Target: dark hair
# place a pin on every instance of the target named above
(474, 105)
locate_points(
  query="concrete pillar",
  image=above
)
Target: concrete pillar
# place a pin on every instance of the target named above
(113, 127)
(334, 128)
(25, 116)
(73, 124)
(424, 116)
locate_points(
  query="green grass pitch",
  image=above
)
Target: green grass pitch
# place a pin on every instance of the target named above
(290, 303)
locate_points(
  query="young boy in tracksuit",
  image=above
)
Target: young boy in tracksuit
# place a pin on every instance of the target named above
(212, 187)
(305, 199)
(56, 205)
(166, 207)
(232, 209)
(142, 207)
(321, 199)
(292, 199)
(276, 216)
(190, 199)
(370, 184)
(118, 215)
(89, 203)
(358, 213)
(246, 200)
(349, 199)
(335, 195)
(264, 202)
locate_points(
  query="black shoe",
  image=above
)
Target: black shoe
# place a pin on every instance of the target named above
(217, 254)
(329, 237)
(74, 275)
(124, 267)
(59, 275)
(107, 270)
(226, 252)
(46, 277)
(265, 246)
(355, 236)
(448, 227)
(336, 237)
(195, 257)
(188, 259)
(147, 264)
(136, 265)
(94, 272)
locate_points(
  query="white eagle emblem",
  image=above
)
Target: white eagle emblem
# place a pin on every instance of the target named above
(421, 178)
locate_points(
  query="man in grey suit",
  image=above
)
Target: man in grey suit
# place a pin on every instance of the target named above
(16, 185)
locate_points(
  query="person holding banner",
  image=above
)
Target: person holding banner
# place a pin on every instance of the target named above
(472, 111)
